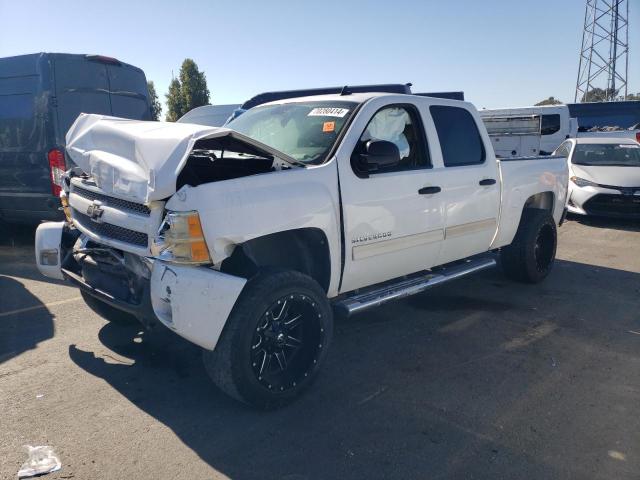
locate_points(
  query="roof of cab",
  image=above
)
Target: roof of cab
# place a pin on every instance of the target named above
(362, 97)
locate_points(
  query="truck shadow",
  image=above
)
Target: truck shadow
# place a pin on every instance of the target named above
(16, 335)
(481, 378)
(16, 262)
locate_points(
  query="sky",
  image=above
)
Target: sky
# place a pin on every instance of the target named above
(501, 53)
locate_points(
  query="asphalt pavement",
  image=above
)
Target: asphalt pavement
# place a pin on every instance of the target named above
(482, 378)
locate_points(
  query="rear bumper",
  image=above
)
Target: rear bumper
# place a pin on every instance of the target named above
(194, 302)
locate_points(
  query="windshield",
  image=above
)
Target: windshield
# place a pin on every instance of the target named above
(620, 155)
(304, 131)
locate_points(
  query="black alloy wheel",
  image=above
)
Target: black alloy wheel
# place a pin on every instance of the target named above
(275, 340)
(287, 342)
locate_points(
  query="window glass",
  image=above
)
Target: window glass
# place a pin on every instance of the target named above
(563, 150)
(550, 124)
(399, 125)
(305, 131)
(82, 87)
(607, 155)
(459, 137)
(129, 97)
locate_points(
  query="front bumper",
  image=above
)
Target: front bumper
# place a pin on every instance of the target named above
(600, 201)
(194, 302)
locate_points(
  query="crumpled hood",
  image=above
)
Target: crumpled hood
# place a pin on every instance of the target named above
(140, 160)
(615, 176)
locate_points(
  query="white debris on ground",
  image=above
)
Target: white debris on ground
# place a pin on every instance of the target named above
(41, 460)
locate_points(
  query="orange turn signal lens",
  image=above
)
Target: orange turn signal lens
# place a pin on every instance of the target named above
(195, 229)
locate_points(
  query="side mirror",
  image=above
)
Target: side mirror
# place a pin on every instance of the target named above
(381, 153)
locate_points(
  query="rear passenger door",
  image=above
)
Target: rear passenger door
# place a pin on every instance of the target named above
(468, 176)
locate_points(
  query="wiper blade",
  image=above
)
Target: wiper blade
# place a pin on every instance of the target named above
(293, 161)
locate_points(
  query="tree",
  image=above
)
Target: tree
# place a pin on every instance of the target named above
(174, 101)
(194, 85)
(187, 92)
(549, 101)
(599, 95)
(156, 106)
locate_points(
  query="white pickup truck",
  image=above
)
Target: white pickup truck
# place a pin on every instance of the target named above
(245, 240)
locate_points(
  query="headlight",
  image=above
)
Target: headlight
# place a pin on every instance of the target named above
(180, 239)
(581, 182)
(65, 207)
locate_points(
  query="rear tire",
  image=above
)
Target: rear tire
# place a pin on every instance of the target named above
(531, 255)
(274, 341)
(108, 312)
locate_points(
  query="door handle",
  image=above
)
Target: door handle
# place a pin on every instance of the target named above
(487, 181)
(429, 190)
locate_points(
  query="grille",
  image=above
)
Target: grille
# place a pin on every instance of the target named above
(627, 190)
(113, 232)
(112, 201)
(614, 205)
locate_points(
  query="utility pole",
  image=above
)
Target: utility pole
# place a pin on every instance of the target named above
(604, 54)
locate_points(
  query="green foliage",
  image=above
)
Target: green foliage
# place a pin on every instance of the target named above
(174, 101)
(599, 95)
(549, 101)
(187, 92)
(156, 106)
(194, 85)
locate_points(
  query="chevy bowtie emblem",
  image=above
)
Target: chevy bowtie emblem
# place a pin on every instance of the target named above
(95, 211)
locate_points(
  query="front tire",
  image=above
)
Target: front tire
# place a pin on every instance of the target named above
(274, 341)
(531, 255)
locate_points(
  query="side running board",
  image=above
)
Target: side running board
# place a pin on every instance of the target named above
(405, 287)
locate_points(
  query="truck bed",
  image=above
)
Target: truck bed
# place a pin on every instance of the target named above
(523, 177)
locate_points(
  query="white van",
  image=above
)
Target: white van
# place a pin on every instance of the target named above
(528, 131)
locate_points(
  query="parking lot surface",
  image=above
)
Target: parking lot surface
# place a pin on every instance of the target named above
(479, 379)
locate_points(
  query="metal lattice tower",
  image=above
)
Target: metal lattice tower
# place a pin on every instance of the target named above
(605, 49)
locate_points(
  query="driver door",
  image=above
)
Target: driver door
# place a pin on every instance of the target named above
(393, 223)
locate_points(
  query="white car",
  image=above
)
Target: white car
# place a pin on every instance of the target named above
(242, 239)
(604, 176)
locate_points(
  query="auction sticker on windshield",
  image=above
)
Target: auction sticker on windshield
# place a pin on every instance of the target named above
(328, 112)
(328, 126)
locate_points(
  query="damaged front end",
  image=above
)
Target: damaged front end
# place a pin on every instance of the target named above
(193, 301)
(145, 162)
(121, 246)
(115, 277)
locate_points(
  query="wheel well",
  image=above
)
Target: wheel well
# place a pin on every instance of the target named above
(540, 201)
(304, 250)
